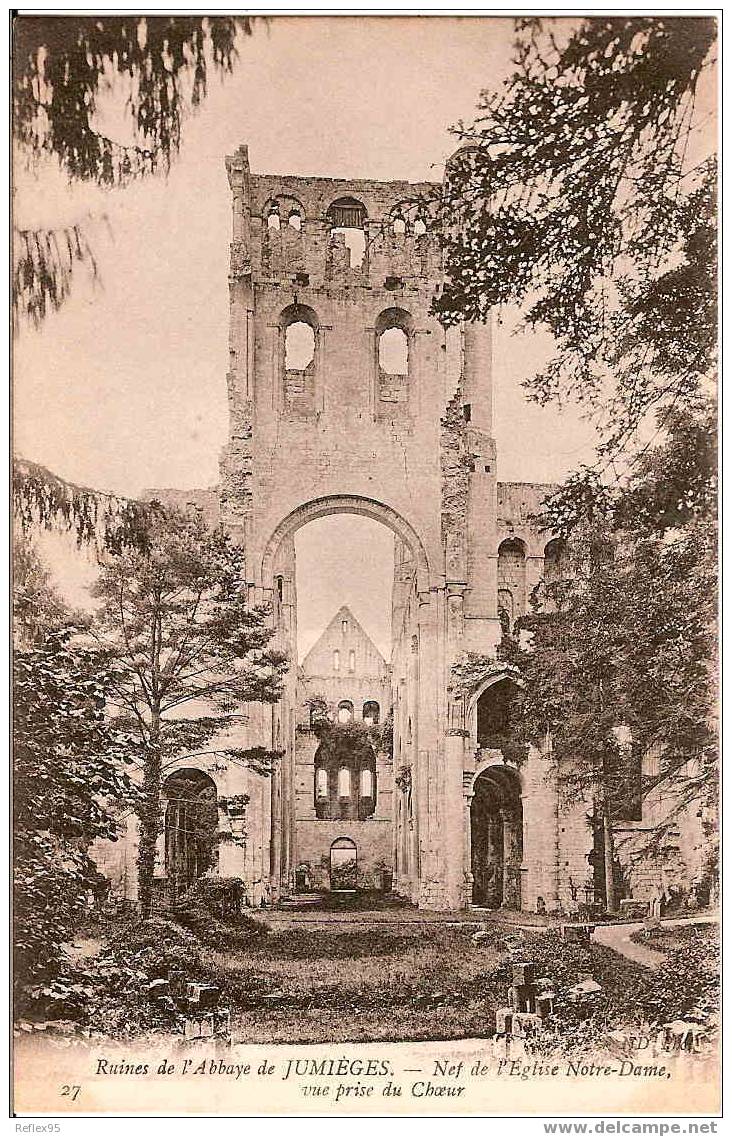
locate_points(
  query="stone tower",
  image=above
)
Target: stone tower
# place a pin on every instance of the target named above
(348, 396)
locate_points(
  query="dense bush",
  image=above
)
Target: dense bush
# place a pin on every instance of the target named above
(687, 986)
(69, 765)
(212, 909)
(108, 995)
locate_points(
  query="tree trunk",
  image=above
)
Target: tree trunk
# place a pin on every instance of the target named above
(608, 847)
(149, 814)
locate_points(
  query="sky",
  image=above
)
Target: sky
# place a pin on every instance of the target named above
(125, 389)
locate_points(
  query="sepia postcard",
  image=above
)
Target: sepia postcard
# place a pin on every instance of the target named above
(365, 565)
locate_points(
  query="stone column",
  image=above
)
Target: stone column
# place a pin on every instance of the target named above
(468, 779)
(426, 772)
(477, 374)
(510, 862)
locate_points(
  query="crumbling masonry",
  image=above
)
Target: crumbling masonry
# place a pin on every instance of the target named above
(347, 395)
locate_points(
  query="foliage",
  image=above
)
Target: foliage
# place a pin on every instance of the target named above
(353, 736)
(65, 71)
(687, 985)
(624, 641)
(108, 995)
(573, 197)
(473, 668)
(584, 194)
(42, 499)
(341, 736)
(180, 636)
(235, 805)
(212, 909)
(69, 779)
(318, 707)
(37, 608)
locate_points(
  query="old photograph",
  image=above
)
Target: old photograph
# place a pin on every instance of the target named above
(365, 559)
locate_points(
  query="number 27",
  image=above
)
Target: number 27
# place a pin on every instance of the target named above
(70, 1091)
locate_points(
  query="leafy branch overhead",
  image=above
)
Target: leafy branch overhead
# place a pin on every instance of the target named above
(584, 192)
(65, 66)
(41, 499)
(67, 70)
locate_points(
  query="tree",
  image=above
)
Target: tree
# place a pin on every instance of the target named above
(580, 194)
(179, 636)
(43, 500)
(64, 67)
(585, 194)
(70, 776)
(37, 609)
(614, 661)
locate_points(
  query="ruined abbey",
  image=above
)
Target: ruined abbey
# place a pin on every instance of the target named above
(347, 395)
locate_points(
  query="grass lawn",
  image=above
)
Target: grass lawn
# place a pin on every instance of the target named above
(422, 982)
(342, 982)
(309, 986)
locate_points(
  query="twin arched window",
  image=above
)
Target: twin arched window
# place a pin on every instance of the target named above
(283, 213)
(408, 219)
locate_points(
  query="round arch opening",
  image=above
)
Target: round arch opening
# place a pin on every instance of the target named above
(496, 837)
(343, 865)
(191, 826)
(345, 504)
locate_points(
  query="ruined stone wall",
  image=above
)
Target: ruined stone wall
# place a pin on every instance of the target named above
(673, 848)
(205, 502)
(362, 677)
(410, 445)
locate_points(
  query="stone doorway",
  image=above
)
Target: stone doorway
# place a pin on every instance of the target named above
(343, 865)
(496, 832)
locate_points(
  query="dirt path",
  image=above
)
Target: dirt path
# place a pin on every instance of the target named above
(617, 937)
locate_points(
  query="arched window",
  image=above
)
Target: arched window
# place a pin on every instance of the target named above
(351, 661)
(367, 783)
(493, 714)
(344, 782)
(336, 660)
(345, 711)
(295, 220)
(191, 826)
(321, 783)
(555, 561)
(299, 339)
(371, 712)
(394, 351)
(420, 227)
(393, 331)
(299, 346)
(399, 226)
(273, 219)
(344, 627)
(346, 219)
(512, 575)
